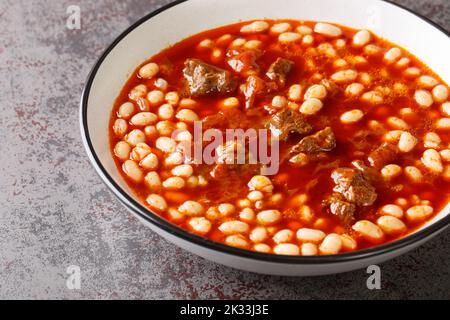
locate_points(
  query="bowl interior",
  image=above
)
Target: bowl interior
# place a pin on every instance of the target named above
(431, 45)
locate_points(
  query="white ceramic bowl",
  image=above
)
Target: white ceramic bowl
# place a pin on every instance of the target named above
(181, 19)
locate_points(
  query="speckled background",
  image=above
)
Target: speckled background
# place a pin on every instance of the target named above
(55, 211)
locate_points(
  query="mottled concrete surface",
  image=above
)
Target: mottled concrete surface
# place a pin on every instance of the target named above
(55, 211)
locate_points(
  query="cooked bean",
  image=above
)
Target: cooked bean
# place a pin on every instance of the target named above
(443, 124)
(144, 119)
(397, 123)
(354, 89)
(419, 213)
(445, 108)
(259, 234)
(309, 249)
(255, 195)
(432, 140)
(174, 183)
(122, 150)
(373, 97)
(427, 82)
(243, 203)
(327, 29)
(247, 214)
(392, 210)
(173, 159)
(295, 92)
(188, 103)
(187, 115)
(393, 136)
(352, 116)
(165, 128)
(414, 174)
(310, 235)
(149, 70)
(153, 180)
(308, 40)
(155, 97)
(361, 38)
(134, 137)
(432, 160)
(279, 102)
(226, 209)
(268, 217)
(161, 84)
(392, 55)
(165, 144)
(261, 247)
(370, 231)
(126, 110)
(440, 93)
(288, 37)
(157, 202)
(281, 27)
(391, 225)
(166, 112)
(120, 127)
(287, 249)
(200, 224)
(332, 244)
(140, 151)
(348, 243)
(236, 240)
(283, 236)
(231, 102)
(260, 183)
(344, 76)
(253, 44)
(191, 208)
(412, 72)
(304, 30)
(255, 27)
(372, 50)
(317, 91)
(407, 142)
(423, 98)
(184, 170)
(402, 63)
(311, 106)
(391, 171)
(138, 92)
(445, 155)
(175, 215)
(234, 227)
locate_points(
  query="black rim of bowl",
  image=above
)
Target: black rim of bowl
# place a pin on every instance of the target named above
(149, 216)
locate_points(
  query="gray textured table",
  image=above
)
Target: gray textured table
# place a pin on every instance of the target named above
(55, 211)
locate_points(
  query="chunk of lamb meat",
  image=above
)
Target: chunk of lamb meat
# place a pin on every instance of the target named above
(279, 70)
(384, 154)
(203, 79)
(355, 188)
(313, 147)
(244, 62)
(341, 208)
(370, 173)
(287, 121)
(255, 87)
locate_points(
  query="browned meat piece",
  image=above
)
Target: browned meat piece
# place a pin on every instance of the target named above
(286, 122)
(227, 119)
(254, 87)
(370, 173)
(203, 79)
(351, 184)
(279, 70)
(323, 140)
(341, 208)
(384, 154)
(244, 62)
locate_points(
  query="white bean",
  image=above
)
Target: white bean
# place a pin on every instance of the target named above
(440, 93)
(344, 76)
(173, 183)
(354, 89)
(283, 236)
(236, 240)
(262, 247)
(423, 98)
(443, 124)
(234, 227)
(432, 140)
(126, 110)
(187, 115)
(373, 97)
(156, 202)
(153, 181)
(352, 116)
(268, 217)
(407, 142)
(295, 92)
(255, 27)
(288, 37)
(165, 144)
(392, 210)
(259, 234)
(392, 55)
(414, 174)
(122, 150)
(332, 244)
(155, 97)
(327, 29)
(166, 112)
(310, 235)
(348, 243)
(200, 225)
(427, 82)
(287, 249)
(309, 249)
(134, 137)
(391, 171)
(397, 123)
(370, 231)
(279, 102)
(226, 209)
(184, 170)
(247, 214)
(361, 38)
(431, 159)
(311, 106)
(317, 91)
(144, 119)
(260, 183)
(419, 213)
(191, 208)
(391, 225)
(281, 27)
